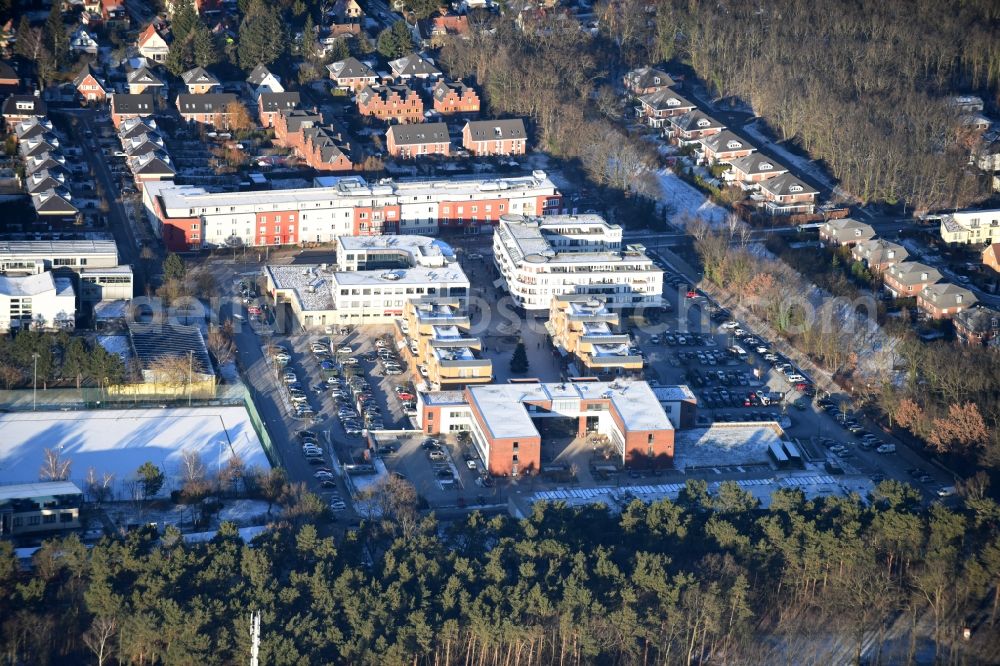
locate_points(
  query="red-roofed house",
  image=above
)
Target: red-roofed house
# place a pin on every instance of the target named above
(440, 28)
(153, 45)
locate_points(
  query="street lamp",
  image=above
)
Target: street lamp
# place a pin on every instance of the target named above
(34, 383)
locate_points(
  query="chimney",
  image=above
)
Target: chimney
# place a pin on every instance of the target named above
(923, 277)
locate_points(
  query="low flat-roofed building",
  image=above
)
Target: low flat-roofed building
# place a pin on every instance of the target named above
(92, 264)
(680, 404)
(38, 301)
(542, 257)
(587, 333)
(46, 506)
(435, 334)
(379, 278)
(500, 418)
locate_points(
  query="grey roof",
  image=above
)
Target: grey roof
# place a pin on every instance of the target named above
(351, 68)
(787, 184)
(40, 181)
(329, 143)
(86, 71)
(151, 163)
(848, 228)
(946, 295)
(138, 104)
(271, 101)
(483, 130)
(755, 163)
(32, 127)
(914, 272)
(696, 119)
(143, 76)
(52, 202)
(155, 341)
(295, 119)
(136, 127)
(7, 72)
(44, 161)
(259, 73)
(878, 251)
(979, 319)
(413, 65)
(442, 88)
(720, 142)
(665, 99)
(27, 285)
(34, 106)
(199, 76)
(370, 92)
(419, 133)
(646, 77)
(207, 103)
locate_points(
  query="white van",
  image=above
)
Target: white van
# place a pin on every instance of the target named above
(886, 448)
(795, 378)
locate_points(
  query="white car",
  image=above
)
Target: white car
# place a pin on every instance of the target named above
(471, 464)
(423, 370)
(289, 377)
(730, 324)
(338, 506)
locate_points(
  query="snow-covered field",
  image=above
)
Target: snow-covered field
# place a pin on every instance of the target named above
(686, 201)
(119, 441)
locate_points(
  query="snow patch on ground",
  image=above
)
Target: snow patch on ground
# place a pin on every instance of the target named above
(686, 201)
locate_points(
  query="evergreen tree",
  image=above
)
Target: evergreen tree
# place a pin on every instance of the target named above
(184, 20)
(339, 50)
(262, 36)
(75, 361)
(150, 478)
(25, 40)
(180, 58)
(395, 41)
(173, 267)
(206, 50)
(57, 39)
(308, 48)
(519, 359)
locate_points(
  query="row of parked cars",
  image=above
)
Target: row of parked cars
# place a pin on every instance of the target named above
(439, 460)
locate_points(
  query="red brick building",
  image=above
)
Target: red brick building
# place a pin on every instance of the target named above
(495, 137)
(288, 126)
(408, 141)
(269, 105)
(977, 325)
(206, 109)
(397, 103)
(944, 300)
(504, 420)
(124, 107)
(991, 257)
(909, 278)
(352, 74)
(454, 97)
(325, 149)
(647, 80)
(90, 87)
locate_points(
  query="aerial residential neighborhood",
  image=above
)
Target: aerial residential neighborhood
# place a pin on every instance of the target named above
(496, 333)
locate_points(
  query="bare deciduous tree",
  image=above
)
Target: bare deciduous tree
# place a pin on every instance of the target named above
(54, 466)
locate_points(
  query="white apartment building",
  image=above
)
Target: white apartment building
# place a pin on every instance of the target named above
(188, 217)
(542, 257)
(981, 227)
(91, 264)
(372, 282)
(38, 301)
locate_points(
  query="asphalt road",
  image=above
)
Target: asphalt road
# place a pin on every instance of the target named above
(118, 225)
